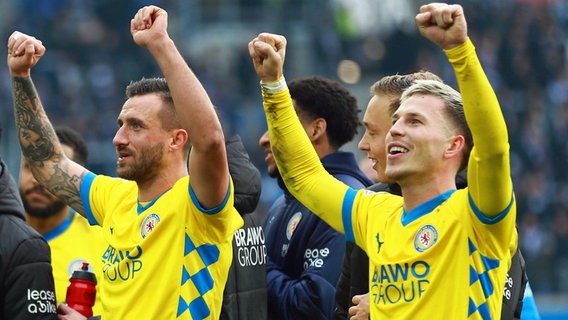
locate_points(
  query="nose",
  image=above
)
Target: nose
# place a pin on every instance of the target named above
(264, 140)
(397, 128)
(120, 137)
(363, 144)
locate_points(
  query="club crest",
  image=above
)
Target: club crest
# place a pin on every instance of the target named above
(425, 238)
(149, 224)
(292, 224)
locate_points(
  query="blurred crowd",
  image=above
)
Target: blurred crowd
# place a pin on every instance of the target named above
(522, 44)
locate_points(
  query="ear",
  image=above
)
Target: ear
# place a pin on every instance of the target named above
(178, 139)
(317, 129)
(455, 147)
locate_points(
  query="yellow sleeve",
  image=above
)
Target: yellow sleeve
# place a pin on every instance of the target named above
(299, 164)
(489, 172)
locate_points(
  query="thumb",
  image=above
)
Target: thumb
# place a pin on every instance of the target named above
(63, 308)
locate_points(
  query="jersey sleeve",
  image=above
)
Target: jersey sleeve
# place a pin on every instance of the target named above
(299, 164)
(96, 190)
(489, 173)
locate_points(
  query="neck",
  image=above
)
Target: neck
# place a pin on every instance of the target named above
(417, 192)
(149, 190)
(44, 225)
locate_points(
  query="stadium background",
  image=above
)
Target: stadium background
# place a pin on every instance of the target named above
(522, 44)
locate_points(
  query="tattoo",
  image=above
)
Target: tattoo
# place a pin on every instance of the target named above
(66, 187)
(38, 142)
(34, 130)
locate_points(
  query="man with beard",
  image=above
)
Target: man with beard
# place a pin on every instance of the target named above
(71, 240)
(169, 236)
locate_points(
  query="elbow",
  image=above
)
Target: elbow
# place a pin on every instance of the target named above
(213, 141)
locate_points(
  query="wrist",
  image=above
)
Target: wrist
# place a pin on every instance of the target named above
(274, 86)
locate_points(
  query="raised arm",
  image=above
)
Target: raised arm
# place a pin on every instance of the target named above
(489, 175)
(208, 159)
(296, 158)
(38, 140)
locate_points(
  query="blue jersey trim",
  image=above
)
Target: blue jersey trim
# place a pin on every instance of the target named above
(215, 210)
(346, 215)
(140, 208)
(486, 219)
(85, 190)
(425, 208)
(62, 227)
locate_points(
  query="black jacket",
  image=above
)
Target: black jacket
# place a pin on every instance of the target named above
(245, 292)
(26, 282)
(304, 252)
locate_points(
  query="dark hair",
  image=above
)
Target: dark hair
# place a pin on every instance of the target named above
(160, 87)
(149, 85)
(396, 84)
(73, 139)
(323, 98)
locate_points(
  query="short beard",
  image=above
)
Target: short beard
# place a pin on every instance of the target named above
(45, 212)
(146, 169)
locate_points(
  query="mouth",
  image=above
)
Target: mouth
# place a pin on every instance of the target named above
(396, 150)
(122, 156)
(37, 193)
(269, 157)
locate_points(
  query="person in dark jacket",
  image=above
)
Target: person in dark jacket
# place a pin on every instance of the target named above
(245, 292)
(26, 282)
(303, 252)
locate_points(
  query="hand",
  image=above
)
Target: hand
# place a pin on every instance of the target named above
(361, 309)
(148, 25)
(442, 24)
(24, 52)
(268, 52)
(65, 312)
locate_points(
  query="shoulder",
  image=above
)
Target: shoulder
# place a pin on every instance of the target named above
(19, 240)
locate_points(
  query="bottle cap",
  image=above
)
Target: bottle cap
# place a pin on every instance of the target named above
(84, 273)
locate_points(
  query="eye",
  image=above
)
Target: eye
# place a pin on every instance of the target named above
(136, 125)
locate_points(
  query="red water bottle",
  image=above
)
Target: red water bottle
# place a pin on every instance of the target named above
(82, 290)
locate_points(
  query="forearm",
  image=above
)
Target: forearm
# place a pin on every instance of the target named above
(489, 173)
(193, 105)
(298, 162)
(40, 145)
(481, 106)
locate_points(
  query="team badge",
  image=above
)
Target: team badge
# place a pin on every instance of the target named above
(425, 238)
(292, 224)
(149, 224)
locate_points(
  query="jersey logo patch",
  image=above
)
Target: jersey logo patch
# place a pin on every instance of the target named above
(149, 224)
(425, 238)
(292, 224)
(379, 242)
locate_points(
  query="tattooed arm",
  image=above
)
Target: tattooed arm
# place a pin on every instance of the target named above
(38, 140)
